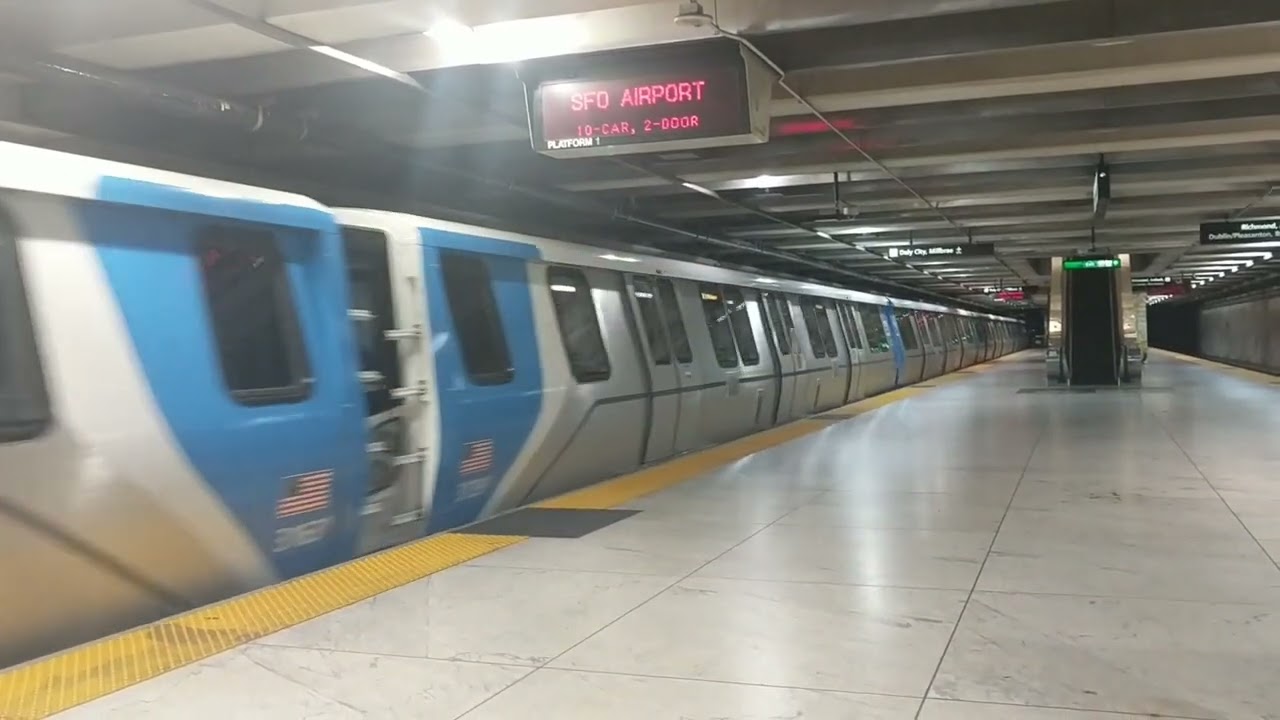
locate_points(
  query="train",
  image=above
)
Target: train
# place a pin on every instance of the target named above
(207, 388)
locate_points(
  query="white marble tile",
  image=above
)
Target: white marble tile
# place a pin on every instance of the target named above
(1210, 531)
(635, 545)
(486, 614)
(1114, 571)
(953, 710)
(1197, 660)
(900, 511)
(595, 696)
(1259, 514)
(857, 556)
(978, 487)
(266, 683)
(719, 507)
(1044, 491)
(822, 637)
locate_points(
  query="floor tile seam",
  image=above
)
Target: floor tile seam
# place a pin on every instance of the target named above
(735, 683)
(1274, 561)
(1044, 431)
(614, 621)
(1118, 713)
(992, 591)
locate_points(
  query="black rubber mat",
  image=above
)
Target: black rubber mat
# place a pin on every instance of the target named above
(547, 522)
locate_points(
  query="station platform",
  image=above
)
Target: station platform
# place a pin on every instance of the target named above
(970, 549)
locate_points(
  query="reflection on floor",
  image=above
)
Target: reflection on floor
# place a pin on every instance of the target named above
(968, 553)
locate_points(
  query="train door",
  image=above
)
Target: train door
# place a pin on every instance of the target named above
(385, 279)
(689, 373)
(664, 384)
(780, 329)
(854, 342)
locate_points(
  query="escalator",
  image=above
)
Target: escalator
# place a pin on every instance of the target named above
(1093, 339)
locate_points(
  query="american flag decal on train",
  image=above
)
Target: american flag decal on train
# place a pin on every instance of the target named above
(478, 457)
(305, 494)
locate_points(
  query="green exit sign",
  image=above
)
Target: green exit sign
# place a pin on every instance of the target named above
(1091, 264)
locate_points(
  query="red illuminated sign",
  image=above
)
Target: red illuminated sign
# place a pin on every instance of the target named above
(580, 114)
(1011, 296)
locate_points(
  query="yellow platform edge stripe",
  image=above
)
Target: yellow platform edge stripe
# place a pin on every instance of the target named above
(1237, 371)
(59, 682)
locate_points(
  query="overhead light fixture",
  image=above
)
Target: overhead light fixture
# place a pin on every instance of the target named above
(564, 289)
(449, 29)
(762, 182)
(356, 61)
(864, 230)
(699, 189)
(619, 258)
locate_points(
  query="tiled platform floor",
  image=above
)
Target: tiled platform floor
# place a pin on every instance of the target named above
(970, 553)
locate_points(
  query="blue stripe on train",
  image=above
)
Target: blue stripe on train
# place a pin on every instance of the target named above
(504, 414)
(144, 234)
(895, 342)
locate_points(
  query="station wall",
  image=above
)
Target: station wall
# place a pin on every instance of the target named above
(1243, 331)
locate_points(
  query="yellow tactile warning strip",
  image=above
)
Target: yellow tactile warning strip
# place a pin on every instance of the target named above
(1243, 373)
(53, 684)
(59, 682)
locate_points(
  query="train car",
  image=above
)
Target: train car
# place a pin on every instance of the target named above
(178, 415)
(206, 387)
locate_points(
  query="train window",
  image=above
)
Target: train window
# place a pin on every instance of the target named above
(255, 322)
(476, 320)
(651, 318)
(675, 323)
(931, 325)
(740, 323)
(369, 276)
(713, 310)
(873, 324)
(579, 324)
(907, 329)
(24, 401)
(811, 323)
(851, 326)
(780, 332)
(825, 329)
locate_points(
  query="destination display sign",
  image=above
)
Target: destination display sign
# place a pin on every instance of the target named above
(916, 252)
(605, 105)
(1225, 232)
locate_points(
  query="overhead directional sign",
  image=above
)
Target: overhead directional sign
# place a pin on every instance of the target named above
(1224, 232)
(917, 252)
(1091, 264)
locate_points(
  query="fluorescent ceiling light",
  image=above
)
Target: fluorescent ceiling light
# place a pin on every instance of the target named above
(449, 29)
(564, 288)
(619, 258)
(359, 62)
(762, 181)
(863, 230)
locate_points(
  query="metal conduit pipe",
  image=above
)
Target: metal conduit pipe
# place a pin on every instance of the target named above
(173, 101)
(275, 32)
(813, 110)
(260, 121)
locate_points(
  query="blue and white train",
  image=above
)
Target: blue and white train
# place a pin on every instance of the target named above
(206, 388)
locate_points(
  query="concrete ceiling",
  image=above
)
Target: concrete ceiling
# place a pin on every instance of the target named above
(994, 113)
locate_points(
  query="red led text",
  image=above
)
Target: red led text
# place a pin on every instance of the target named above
(641, 96)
